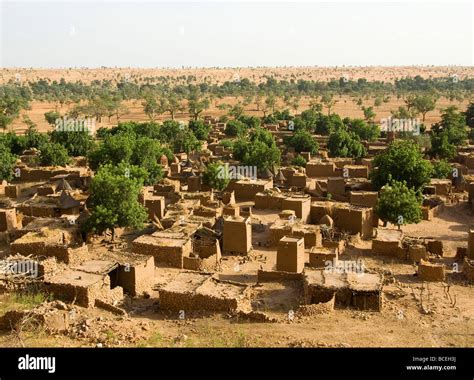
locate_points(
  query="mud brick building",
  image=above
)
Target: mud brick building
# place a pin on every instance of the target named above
(237, 235)
(290, 255)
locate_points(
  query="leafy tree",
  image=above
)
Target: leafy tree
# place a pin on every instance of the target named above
(171, 103)
(399, 204)
(51, 117)
(402, 161)
(35, 139)
(10, 107)
(197, 105)
(7, 163)
(448, 134)
(114, 199)
(200, 130)
(441, 169)
(258, 149)
(344, 143)
(215, 176)
(424, 104)
(329, 101)
(53, 154)
(303, 141)
(470, 115)
(235, 128)
(77, 143)
(325, 125)
(250, 121)
(236, 110)
(299, 161)
(369, 113)
(365, 131)
(151, 107)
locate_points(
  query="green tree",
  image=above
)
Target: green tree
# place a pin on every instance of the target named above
(470, 115)
(53, 154)
(365, 131)
(441, 169)
(399, 204)
(448, 134)
(424, 104)
(114, 199)
(402, 161)
(200, 130)
(51, 117)
(216, 176)
(343, 143)
(235, 128)
(77, 143)
(197, 105)
(303, 141)
(7, 163)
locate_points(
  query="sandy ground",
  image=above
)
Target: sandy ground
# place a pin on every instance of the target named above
(345, 107)
(221, 75)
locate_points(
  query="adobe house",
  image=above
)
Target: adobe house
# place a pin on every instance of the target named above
(167, 248)
(237, 235)
(246, 189)
(320, 169)
(442, 186)
(470, 245)
(356, 171)
(269, 199)
(353, 219)
(301, 205)
(206, 251)
(194, 183)
(388, 242)
(336, 186)
(198, 291)
(84, 288)
(346, 289)
(290, 255)
(167, 188)
(12, 191)
(320, 256)
(67, 204)
(155, 205)
(8, 220)
(431, 207)
(366, 199)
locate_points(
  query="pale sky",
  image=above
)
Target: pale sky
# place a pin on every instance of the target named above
(232, 34)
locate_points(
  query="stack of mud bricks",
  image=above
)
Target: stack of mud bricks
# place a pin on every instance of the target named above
(231, 210)
(194, 183)
(237, 235)
(290, 255)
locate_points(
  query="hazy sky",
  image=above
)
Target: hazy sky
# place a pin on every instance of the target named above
(163, 34)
